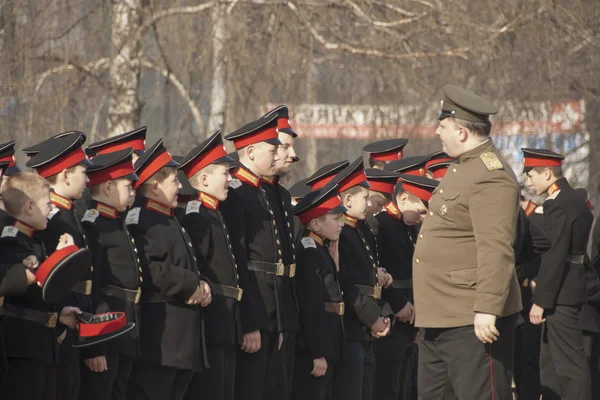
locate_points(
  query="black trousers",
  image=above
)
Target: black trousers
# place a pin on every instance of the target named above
(355, 373)
(305, 385)
(255, 372)
(392, 375)
(454, 359)
(151, 382)
(564, 368)
(218, 382)
(591, 347)
(68, 371)
(527, 360)
(28, 379)
(111, 384)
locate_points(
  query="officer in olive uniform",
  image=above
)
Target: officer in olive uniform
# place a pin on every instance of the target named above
(466, 291)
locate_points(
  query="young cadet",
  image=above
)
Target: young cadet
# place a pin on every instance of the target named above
(366, 318)
(270, 260)
(560, 282)
(29, 330)
(320, 344)
(384, 151)
(172, 286)
(116, 276)
(396, 368)
(207, 169)
(325, 174)
(63, 163)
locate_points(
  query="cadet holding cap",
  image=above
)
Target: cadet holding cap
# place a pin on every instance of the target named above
(383, 152)
(464, 281)
(560, 288)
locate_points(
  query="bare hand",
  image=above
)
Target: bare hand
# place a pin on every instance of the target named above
(334, 252)
(406, 314)
(251, 342)
(319, 367)
(31, 262)
(64, 241)
(485, 328)
(380, 328)
(198, 296)
(207, 299)
(532, 285)
(536, 315)
(383, 278)
(67, 316)
(411, 217)
(97, 364)
(31, 279)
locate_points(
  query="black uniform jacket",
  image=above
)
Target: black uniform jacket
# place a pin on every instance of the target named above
(171, 329)
(12, 276)
(322, 333)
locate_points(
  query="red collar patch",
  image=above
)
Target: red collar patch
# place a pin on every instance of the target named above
(393, 210)
(208, 201)
(61, 202)
(159, 208)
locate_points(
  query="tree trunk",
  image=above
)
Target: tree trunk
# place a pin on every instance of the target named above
(218, 96)
(123, 101)
(592, 122)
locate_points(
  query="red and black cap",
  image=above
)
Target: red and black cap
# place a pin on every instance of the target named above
(464, 104)
(438, 157)
(153, 159)
(386, 150)
(111, 166)
(59, 154)
(381, 180)
(295, 159)
(439, 169)
(299, 189)
(320, 202)
(211, 151)
(135, 139)
(262, 130)
(325, 174)
(409, 165)
(533, 158)
(61, 271)
(352, 175)
(420, 186)
(3, 167)
(33, 150)
(99, 328)
(187, 192)
(7, 154)
(283, 119)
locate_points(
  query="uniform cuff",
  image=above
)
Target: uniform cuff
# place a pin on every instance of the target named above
(489, 304)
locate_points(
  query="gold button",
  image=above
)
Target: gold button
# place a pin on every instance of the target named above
(141, 279)
(286, 214)
(183, 229)
(417, 260)
(430, 213)
(441, 190)
(421, 236)
(140, 269)
(190, 244)
(453, 169)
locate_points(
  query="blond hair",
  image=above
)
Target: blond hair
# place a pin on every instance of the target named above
(21, 187)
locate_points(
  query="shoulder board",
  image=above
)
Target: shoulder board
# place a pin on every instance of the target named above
(308, 242)
(491, 161)
(10, 231)
(193, 207)
(54, 211)
(90, 216)
(133, 216)
(235, 183)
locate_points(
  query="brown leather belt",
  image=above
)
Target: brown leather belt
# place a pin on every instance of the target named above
(371, 291)
(130, 295)
(277, 269)
(402, 284)
(83, 287)
(575, 258)
(228, 291)
(43, 318)
(335, 308)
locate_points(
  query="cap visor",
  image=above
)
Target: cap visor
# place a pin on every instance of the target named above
(289, 131)
(94, 340)
(86, 163)
(13, 170)
(365, 184)
(172, 163)
(275, 141)
(224, 159)
(338, 210)
(131, 177)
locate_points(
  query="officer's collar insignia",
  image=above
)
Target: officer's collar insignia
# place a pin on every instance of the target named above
(530, 208)
(24, 228)
(248, 177)
(208, 201)
(159, 208)
(553, 188)
(317, 238)
(393, 210)
(349, 221)
(61, 202)
(271, 180)
(107, 211)
(491, 161)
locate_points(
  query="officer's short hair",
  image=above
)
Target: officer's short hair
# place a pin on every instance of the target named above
(556, 171)
(21, 187)
(479, 128)
(158, 176)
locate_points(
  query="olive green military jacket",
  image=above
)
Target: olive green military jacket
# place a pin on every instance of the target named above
(464, 260)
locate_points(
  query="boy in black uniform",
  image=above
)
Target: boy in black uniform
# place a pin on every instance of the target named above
(62, 162)
(207, 169)
(266, 239)
(321, 340)
(116, 276)
(172, 286)
(560, 282)
(29, 330)
(365, 318)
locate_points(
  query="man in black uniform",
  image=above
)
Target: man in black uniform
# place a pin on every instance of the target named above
(207, 169)
(62, 162)
(320, 343)
(560, 284)
(116, 276)
(385, 151)
(266, 236)
(172, 286)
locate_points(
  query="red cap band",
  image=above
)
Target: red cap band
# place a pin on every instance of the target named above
(388, 156)
(136, 145)
(382, 187)
(62, 163)
(542, 162)
(108, 174)
(438, 161)
(153, 168)
(414, 172)
(440, 173)
(48, 265)
(421, 193)
(353, 180)
(321, 182)
(9, 159)
(102, 328)
(321, 209)
(268, 134)
(283, 123)
(203, 161)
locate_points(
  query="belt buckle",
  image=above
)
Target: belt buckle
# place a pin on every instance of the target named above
(342, 308)
(280, 269)
(292, 270)
(240, 292)
(52, 318)
(377, 292)
(138, 296)
(88, 287)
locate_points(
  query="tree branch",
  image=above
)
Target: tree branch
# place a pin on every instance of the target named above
(359, 12)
